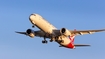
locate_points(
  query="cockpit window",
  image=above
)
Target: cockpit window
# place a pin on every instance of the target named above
(33, 14)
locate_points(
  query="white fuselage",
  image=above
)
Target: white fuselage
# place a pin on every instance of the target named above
(45, 26)
(42, 24)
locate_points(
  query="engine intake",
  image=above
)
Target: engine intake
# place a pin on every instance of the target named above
(65, 32)
(30, 33)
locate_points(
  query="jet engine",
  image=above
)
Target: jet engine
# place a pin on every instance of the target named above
(30, 33)
(65, 32)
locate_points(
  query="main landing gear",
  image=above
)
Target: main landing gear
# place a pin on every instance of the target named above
(51, 40)
(44, 41)
(59, 41)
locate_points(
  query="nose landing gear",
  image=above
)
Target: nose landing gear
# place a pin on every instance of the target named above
(33, 26)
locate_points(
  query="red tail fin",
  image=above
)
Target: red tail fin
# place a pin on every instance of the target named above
(71, 44)
(72, 39)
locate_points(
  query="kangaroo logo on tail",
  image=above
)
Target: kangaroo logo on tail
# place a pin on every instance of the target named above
(72, 39)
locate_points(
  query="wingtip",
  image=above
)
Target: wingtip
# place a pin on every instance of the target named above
(88, 45)
(16, 31)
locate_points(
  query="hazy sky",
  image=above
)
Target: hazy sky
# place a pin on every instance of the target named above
(71, 14)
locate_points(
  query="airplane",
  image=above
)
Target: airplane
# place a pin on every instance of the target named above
(64, 37)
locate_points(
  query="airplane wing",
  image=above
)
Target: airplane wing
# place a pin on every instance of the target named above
(82, 32)
(37, 33)
(21, 32)
(40, 33)
(80, 45)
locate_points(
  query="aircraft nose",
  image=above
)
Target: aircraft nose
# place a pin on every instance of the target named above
(31, 16)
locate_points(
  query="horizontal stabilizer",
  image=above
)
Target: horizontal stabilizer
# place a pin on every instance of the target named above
(80, 45)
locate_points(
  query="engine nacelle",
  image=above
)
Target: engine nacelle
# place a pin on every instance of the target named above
(30, 33)
(65, 32)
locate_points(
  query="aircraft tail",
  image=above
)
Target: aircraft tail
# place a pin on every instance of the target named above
(72, 39)
(76, 45)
